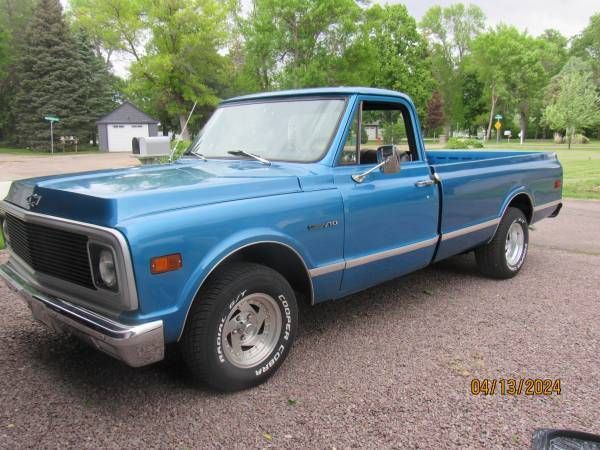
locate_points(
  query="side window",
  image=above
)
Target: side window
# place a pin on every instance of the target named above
(351, 145)
(381, 123)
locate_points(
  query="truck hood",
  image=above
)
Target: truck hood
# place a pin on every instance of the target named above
(109, 197)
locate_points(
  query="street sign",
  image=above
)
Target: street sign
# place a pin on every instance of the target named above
(498, 125)
(51, 119)
(498, 117)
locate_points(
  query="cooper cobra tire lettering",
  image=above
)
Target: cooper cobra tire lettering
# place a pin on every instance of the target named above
(208, 342)
(222, 324)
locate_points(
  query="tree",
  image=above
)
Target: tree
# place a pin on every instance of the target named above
(575, 104)
(554, 55)
(112, 26)
(177, 50)
(395, 54)
(526, 84)
(300, 43)
(587, 46)
(435, 112)
(450, 32)
(98, 90)
(183, 64)
(452, 29)
(490, 61)
(474, 105)
(51, 77)
(14, 16)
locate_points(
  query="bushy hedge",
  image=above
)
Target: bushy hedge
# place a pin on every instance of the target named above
(580, 139)
(460, 143)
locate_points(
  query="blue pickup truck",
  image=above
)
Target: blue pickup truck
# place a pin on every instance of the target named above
(306, 195)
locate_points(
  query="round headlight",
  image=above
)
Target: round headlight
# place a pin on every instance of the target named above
(5, 231)
(106, 267)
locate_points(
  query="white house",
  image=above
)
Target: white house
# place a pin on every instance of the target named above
(117, 129)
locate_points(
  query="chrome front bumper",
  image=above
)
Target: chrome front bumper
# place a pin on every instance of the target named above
(135, 345)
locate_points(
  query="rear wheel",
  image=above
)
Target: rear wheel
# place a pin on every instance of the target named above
(241, 327)
(505, 254)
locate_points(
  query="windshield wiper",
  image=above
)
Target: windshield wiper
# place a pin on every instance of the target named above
(198, 155)
(249, 155)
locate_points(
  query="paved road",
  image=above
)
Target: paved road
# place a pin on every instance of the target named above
(390, 367)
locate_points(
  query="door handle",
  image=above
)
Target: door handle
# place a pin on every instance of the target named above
(424, 183)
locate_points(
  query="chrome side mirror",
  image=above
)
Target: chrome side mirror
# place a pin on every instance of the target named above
(389, 155)
(388, 162)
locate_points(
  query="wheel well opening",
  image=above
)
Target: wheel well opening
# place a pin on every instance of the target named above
(523, 202)
(280, 258)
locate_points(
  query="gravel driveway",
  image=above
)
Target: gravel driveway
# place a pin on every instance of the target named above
(390, 367)
(14, 167)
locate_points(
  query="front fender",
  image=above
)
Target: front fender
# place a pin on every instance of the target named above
(206, 235)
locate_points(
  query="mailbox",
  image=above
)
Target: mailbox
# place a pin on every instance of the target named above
(151, 146)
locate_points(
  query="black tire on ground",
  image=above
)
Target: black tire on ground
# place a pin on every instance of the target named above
(492, 257)
(207, 344)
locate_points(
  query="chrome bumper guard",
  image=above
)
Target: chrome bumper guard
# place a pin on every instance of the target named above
(135, 345)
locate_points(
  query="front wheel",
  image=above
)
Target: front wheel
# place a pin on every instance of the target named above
(505, 254)
(241, 327)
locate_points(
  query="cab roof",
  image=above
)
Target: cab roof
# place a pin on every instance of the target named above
(320, 92)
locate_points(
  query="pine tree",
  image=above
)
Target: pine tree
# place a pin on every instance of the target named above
(52, 79)
(97, 91)
(14, 15)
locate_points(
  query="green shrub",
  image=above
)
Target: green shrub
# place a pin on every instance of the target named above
(580, 139)
(459, 143)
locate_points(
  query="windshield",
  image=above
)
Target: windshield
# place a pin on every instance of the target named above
(285, 130)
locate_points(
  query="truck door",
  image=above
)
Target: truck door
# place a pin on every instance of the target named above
(390, 219)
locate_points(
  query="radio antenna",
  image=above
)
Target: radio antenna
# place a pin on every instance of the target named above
(181, 134)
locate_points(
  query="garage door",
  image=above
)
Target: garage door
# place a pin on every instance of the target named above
(120, 136)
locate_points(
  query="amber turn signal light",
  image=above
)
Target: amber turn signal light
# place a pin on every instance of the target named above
(166, 263)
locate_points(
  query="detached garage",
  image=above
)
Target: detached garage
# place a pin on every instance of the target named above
(118, 128)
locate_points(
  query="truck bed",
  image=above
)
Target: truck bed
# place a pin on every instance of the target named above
(476, 187)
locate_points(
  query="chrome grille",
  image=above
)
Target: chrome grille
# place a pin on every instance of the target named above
(51, 251)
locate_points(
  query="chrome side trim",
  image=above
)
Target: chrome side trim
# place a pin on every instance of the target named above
(203, 280)
(323, 270)
(135, 345)
(389, 253)
(470, 229)
(128, 291)
(355, 262)
(547, 205)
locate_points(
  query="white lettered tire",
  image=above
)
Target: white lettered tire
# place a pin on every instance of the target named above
(241, 327)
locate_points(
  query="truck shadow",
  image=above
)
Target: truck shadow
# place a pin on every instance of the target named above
(99, 381)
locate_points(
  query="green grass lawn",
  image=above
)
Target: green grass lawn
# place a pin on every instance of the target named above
(1, 240)
(581, 165)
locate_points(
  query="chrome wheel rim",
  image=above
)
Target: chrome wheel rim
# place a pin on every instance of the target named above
(515, 244)
(252, 330)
